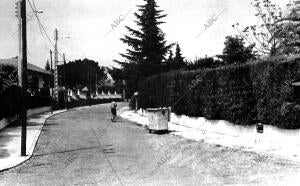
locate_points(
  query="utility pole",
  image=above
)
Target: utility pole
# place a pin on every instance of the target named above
(51, 65)
(55, 67)
(51, 81)
(65, 83)
(22, 70)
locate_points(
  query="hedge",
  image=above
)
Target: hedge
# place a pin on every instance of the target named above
(243, 94)
(10, 101)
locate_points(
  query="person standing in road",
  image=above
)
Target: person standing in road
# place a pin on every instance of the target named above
(113, 109)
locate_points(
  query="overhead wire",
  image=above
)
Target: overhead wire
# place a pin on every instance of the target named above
(42, 27)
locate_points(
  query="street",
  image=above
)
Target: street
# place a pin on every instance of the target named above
(83, 147)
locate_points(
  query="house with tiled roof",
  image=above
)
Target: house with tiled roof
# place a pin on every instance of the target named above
(38, 78)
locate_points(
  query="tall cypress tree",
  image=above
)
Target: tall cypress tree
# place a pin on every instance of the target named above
(147, 44)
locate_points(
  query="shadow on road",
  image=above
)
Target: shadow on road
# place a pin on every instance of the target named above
(105, 149)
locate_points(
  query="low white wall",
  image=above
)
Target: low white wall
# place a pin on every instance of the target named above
(6, 121)
(31, 112)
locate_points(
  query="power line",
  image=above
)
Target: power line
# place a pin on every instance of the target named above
(41, 25)
(40, 28)
(39, 22)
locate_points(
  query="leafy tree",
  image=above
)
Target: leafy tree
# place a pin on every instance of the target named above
(147, 45)
(235, 51)
(275, 32)
(118, 76)
(81, 73)
(116, 73)
(8, 77)
(47, 66)
(201, 63)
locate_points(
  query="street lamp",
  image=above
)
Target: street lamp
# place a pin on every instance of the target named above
(39, 11)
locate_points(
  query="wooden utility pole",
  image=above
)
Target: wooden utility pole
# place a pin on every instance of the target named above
(65, 83)
(51, 62)
(22, 70)
(56, 66)
(51, 81)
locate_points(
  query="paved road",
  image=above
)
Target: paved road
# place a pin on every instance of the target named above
(83, 147)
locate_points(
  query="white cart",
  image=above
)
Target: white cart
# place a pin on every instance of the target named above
(158, 119)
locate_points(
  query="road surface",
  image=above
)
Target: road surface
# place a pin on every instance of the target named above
(83, 147)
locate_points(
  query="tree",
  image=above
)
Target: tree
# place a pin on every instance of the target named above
(170, 58)
(169, 61)
(81, 73)
(201, 63)
(275, 32)
(178, 61)
(147, 45)
(8, 77)
(116, 73)
(47, 66)
(235, 51)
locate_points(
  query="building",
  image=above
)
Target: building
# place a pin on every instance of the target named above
(39, 80)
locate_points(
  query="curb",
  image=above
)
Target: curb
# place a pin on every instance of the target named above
(241, 148)
(38, 137)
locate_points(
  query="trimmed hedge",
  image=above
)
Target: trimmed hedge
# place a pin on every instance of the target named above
(242, 94)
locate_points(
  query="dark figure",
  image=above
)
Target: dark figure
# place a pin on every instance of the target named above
(113, 109)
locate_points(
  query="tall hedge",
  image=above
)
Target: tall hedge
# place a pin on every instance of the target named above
(244, 94)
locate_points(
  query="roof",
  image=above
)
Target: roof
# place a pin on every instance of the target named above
(14, 62)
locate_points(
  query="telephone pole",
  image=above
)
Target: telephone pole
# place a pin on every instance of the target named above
(22, 70)
(56, 66)
(51, 81)
(65, 83)
(51, 65)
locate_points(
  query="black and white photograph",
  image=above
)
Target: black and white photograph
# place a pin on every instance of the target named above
(150, 92)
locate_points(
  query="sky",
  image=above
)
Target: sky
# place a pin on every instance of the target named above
(86, 31)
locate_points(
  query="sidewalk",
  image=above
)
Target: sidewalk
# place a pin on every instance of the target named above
(221, 133)
(10, 140)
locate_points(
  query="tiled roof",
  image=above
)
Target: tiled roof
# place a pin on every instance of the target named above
(14, 62)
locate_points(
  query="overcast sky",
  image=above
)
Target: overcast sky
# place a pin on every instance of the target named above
(88, 24)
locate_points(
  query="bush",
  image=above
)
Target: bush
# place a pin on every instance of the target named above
(10, 101)
(243, 94)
